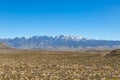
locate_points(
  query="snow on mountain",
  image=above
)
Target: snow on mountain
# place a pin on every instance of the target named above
(70, 37)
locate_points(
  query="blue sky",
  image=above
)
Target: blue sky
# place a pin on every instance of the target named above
(98, 19)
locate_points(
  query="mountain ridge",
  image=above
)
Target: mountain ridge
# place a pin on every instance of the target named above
(60, 42)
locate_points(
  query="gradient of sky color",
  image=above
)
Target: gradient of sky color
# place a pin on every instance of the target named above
(98, 19)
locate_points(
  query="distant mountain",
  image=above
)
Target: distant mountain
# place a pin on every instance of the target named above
(61, 42)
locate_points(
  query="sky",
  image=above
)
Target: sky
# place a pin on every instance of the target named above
(97, 19)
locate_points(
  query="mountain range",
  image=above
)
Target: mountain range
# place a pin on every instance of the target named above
(61, 42)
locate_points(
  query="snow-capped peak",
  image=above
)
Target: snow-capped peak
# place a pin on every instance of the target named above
(76, 38)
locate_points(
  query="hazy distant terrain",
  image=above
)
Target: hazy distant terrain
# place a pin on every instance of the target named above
(60, 43)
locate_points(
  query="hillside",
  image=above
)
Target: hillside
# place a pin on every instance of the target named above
(114, 53)
(4, 46)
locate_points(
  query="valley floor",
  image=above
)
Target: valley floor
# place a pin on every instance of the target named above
(43, 65)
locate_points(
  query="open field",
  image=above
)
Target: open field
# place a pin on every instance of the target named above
(48, 65)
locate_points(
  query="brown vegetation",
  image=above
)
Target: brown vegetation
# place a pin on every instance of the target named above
(43, 65)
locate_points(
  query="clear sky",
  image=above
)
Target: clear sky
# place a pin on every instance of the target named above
(97, 19)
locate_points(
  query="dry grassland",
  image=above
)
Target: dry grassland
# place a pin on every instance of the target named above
(43, 65)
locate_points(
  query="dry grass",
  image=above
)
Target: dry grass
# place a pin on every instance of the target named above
(41, 65)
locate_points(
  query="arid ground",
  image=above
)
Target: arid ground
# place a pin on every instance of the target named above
(51, 65)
